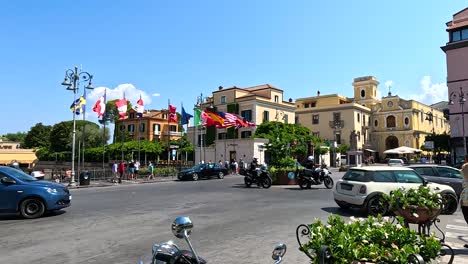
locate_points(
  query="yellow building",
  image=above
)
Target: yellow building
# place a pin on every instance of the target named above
(379, 124)
(256, 104)
(154, 126)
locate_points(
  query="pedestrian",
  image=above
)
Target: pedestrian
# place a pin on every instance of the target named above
(137, 168)
(464, 194)
(115, 172)
(131, 169)
(151, 170)
(236, 167)
(121, 170)
(220, 163)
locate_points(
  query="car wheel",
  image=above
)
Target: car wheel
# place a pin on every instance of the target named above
(376, 205)
(32, 208)
(179, 177)
(195, 177)
(450, 203)
(220, 175)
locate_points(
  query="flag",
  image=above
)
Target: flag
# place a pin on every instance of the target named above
(100, 105)
(83, 105)
(78, 105)
(172, 113)
(216, 118)
(139, 108)
(206, 120)
(197, 117)
(122, 107)
(185, 116)
(229, 119)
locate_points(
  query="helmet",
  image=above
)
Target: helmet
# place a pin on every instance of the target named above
(310, 158)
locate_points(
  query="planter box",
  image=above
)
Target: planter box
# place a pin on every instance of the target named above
(424, 214)
(282, 179)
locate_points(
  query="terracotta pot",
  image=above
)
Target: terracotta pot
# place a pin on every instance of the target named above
(424, 214)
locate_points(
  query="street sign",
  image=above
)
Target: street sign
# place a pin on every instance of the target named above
(174, 153)
(429, 144)
(174, 146)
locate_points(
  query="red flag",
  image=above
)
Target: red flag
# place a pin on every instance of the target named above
(122, 107)
(172, 113)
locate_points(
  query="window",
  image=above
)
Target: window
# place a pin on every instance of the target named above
(406, 121)
(336, 117)
(313, 104)
(247, 114)
(391, 121)
(156, 129)
(376, 123)
(164, 116)
(363, 93)
(422, 116)
(142, 127)
(266, 116)
(407, 177)
(131, 115)
(285, 118)
(449, 173)
(456, 35)
(363, 120)
(356, 175)
(315, 119)
(368, 121)
(222, 135)
(223, 99)
(131, 128)
(427, 171)
(296, 120)
(122, 127)
(173, 128)
(306, 105)
(201, 140)
(384, 176)
(338, 138)
(464, 33)
(276, 99)
(358, 118)
(246, 134)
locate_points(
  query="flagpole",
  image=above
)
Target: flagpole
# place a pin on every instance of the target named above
(168, 133)
(84, 129)
(104, 119)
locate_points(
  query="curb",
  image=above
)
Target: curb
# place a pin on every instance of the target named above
(124, 182)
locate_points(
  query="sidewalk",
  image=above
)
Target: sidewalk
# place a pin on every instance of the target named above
(124, 182)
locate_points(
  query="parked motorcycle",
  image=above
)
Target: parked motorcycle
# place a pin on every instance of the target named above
(261, 177)
(169, 253)
(308, 177)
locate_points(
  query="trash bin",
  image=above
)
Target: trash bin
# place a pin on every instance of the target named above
(85, 178)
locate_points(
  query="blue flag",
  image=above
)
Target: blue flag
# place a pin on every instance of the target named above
(185, 116)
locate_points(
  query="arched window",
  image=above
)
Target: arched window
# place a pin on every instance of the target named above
(406, 121)
(391, 121)
(363, 93)
(376, 123)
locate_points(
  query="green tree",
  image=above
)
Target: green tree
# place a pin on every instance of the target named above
(61, 135)
(441, 142)
(285, 140)
(37, 136)
(15, 137)
(112, 113)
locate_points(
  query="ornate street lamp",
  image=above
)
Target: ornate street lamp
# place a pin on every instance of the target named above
(460, 97)
(72, 82)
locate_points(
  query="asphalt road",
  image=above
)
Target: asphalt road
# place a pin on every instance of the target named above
(119, 224)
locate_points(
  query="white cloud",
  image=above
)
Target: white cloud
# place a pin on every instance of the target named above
(156, 94)
(429, 92)
(131, 93)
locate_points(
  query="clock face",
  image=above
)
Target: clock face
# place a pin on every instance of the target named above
(390, 104)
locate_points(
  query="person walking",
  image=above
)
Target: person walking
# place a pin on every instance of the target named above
(464, 193)
(151, 171)
(131, 169)
(121, 170)
(115, 171)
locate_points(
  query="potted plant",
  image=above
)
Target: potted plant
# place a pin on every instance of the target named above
(371, 240)
(416, 206)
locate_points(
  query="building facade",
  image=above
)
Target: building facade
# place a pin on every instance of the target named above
(379, 124)
(12, 151)
(154, 126)
(256, 104)
(456, 52)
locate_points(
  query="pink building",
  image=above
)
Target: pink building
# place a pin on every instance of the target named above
(456, 51)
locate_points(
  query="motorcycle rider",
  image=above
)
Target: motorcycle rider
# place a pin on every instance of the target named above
(310, 165)
(253, 166)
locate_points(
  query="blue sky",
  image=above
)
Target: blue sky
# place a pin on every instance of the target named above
(179, 49)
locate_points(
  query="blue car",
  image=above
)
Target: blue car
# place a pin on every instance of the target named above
(24, 194)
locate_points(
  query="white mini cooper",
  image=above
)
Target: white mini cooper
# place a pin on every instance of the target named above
(362, 187)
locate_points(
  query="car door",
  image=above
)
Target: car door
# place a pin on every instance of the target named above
(451, 177)
(428, 173)
(9, 195)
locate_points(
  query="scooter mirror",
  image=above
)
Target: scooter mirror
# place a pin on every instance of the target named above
(279, 251)
(182, 226)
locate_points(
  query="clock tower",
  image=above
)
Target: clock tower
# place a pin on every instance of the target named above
(365, 90)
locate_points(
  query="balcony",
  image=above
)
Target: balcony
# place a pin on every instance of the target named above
(157, 133)
(173, 133)
(336, 124)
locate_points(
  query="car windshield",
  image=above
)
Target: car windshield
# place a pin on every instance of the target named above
(19, 174)
(356, 175)
(198, 167)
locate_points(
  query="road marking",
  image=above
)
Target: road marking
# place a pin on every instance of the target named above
(463, 228)
(460, 221)
(459, 236)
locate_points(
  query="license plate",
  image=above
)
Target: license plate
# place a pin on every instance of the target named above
(346, 187)
(69, 197)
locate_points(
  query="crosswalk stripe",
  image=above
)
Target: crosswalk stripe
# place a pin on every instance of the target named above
(460, 221)
(463, 228)
(463, 237)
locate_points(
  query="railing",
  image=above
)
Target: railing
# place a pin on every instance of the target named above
(173, 133)
(336, 124)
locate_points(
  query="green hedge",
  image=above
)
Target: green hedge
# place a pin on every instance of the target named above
(159, 172)
(275, 171)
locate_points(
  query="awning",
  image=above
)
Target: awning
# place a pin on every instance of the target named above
(370, 150)
(25, 157)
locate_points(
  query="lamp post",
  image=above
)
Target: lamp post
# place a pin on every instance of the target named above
(430, 118)
(72, 82)
(461, 101)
